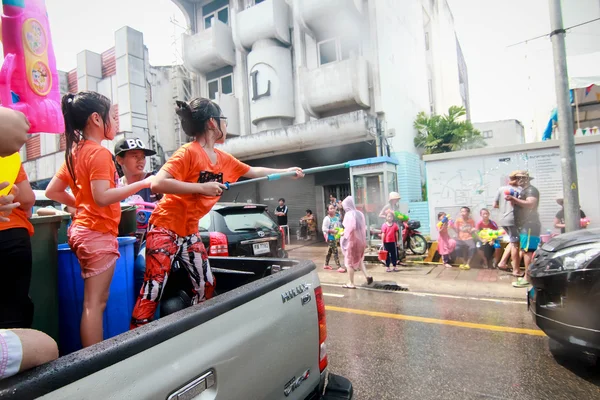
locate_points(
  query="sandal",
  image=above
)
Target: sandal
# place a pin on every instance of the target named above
(388, 270)
(369, 280)
(396, 270)
(348, 287)
(522, 274)
(520, 283)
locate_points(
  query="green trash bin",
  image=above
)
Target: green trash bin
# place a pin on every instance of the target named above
(44, 282)
(62, 231)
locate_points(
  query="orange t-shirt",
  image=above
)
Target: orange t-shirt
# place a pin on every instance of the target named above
(92, 162)
(18, 217)
(180, 213)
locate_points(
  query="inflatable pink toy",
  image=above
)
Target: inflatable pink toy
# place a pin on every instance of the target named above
(28, 77)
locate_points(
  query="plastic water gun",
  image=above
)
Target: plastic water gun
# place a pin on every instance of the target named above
(490, 235)
(400, 217)
(444, 220)
(28, 77)
(511, 192)
(339, 232)
(584, 222)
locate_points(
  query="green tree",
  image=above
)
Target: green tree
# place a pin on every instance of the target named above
(444, 133)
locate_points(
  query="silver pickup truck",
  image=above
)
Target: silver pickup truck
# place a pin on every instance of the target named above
(264, 339)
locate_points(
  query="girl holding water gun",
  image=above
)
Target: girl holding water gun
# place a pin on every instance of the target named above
(488, 245)
(90, 172)
(446, 244)
(192, 180)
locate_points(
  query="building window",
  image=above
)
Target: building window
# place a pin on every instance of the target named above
(222, 14)
(487, 134)
(223, 85)
(336, 49)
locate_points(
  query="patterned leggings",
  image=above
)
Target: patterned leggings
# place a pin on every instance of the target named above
(163, 247)
(333, 250)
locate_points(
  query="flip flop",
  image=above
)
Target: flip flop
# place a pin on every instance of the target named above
(348, 287)
(519, 275)
(520, 283)
(396, 270)
(388, 270)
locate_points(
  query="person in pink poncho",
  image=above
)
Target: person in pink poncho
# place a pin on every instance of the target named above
(354, 241)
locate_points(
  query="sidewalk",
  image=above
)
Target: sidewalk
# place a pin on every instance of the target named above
(427, 278)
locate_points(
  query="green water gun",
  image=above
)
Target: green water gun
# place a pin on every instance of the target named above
(400, 217)
(339, 232)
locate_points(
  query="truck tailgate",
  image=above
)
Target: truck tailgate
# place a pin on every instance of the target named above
(251, 343)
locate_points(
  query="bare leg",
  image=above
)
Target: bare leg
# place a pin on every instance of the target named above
(527, 258)
(350, 275)
(364, 270)
(38, 348)
(506, 255)
(515, 255)
(95, 296)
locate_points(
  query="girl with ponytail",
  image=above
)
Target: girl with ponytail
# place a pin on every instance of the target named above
(192, 181)
(90, 172)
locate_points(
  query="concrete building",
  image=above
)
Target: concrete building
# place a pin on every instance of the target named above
(143, 95)
(501, 133)
(315, 82)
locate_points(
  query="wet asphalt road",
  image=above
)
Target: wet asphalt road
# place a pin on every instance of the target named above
(389, 358)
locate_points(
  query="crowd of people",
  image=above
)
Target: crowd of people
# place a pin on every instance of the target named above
(518, 203)
(190, 183)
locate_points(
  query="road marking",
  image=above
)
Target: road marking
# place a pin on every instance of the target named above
(333, 295)
(461, 324)
(425, 294)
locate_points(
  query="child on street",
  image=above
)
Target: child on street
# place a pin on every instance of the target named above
(192, 181)
(446, 244)
(331, 224)
(465, 245)
(389, 236)
(489, 251)
(90, 172)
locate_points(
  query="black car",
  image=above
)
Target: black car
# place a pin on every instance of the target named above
(565, 297)
(241, 230)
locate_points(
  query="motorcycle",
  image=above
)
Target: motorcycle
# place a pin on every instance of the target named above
(412, 238)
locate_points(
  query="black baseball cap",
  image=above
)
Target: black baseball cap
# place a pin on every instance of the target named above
(127, 144)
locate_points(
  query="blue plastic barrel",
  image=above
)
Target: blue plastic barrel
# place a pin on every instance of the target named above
(117, 315)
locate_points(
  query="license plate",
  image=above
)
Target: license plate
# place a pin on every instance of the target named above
(261, 248)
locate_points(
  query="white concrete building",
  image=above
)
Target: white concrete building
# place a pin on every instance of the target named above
(143, 95)
(501, 133)
(315, 82)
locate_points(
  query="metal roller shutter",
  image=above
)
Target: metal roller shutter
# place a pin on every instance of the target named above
(299, 195)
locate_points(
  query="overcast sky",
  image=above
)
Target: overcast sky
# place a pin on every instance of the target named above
(505, 83)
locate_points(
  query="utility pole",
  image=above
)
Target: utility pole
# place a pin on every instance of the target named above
(565, 119)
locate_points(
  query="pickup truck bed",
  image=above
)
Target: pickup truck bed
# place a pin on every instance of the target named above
(257, 341)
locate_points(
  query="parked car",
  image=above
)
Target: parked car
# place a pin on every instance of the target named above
(265, 340)
(242, 230)
(565, 295)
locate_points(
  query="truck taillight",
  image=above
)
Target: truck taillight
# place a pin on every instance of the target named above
(283, 237)
(218, 245)
(322, 328)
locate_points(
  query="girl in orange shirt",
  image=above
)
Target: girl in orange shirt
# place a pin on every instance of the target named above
(16, 308)
(90, 172)
(192, 181)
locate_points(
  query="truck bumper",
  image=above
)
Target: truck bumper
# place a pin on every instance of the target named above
(332, 387)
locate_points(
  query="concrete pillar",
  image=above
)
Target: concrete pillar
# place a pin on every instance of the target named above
(89, 70)
(131, 83)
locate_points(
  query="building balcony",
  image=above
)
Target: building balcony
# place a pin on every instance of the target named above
(267, 20)
(210, 49)
(327, 18)
(341, 85)
(230, 108)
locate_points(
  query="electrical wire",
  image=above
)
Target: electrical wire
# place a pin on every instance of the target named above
(548, 34)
